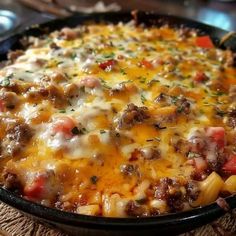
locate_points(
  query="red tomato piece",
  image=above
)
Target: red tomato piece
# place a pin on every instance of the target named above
(36, 188)
(146, 64)
(107, 65)
(64, 125)
(2, 107)
(204, 42)
(217, 134)
(230, 165)
(200, 77)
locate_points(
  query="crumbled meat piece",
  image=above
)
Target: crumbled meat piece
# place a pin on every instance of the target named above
(230, 59)
(169, 190)
(133, 115)
(68, 33)
(128, 169)
(58, 77)
(183, 106)
(179, 144)
(39, 62)
(11, 181)
(13, 55)
(54, 46)
(56, 95)
(9, 99)
(231, 118)
(150, 153)
(192, 190)
(222, 204)
(72, 90)
(17, 137)
(232, 92)
(134, 209)
(185, 32)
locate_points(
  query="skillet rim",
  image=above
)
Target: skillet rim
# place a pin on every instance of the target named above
(205, 213)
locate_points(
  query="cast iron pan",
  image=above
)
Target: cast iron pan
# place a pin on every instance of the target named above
(75, 224)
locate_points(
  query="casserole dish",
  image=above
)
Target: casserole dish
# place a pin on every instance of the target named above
(73, 223)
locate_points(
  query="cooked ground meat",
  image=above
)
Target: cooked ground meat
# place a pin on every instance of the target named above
(13, 55)
(230, 58)
(129, 169)
(132, 115)
(9, 99)
(69, 34)
(232, 92)
(134, 209)
(150, 153)
(183, 105)
(231, 118)
(179, 144)
(11, 181)
(54, 94)
(192, 190)
(17, 137)
(169, 190)
(54, 46)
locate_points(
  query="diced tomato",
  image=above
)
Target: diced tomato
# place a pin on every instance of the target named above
(204, 42)
(230, 165)
(217, 134)
(200, 77)
(107, 65)
(36, 188)
(146, 64)
(1, 105)
(64, 125)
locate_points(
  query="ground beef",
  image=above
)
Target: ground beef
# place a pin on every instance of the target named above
(9, 99)
(134, 209)
(231, 118)
(169, 190)
(133, 115)
(230, 59)
(129, 169)
(11, 181)
(192, 190)
(150, 153)
(16, 138)
(232, 92)
(183, 105)
(13, 55)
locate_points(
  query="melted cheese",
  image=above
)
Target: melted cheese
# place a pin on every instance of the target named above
(128, 64)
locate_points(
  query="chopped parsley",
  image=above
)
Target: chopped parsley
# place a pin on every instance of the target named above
(109, 55)
(122, 71)
(62, 111)
(143, 99)
(77, 131)
(142, 79)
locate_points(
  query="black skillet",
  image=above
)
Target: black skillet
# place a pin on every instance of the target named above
(75, 224)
